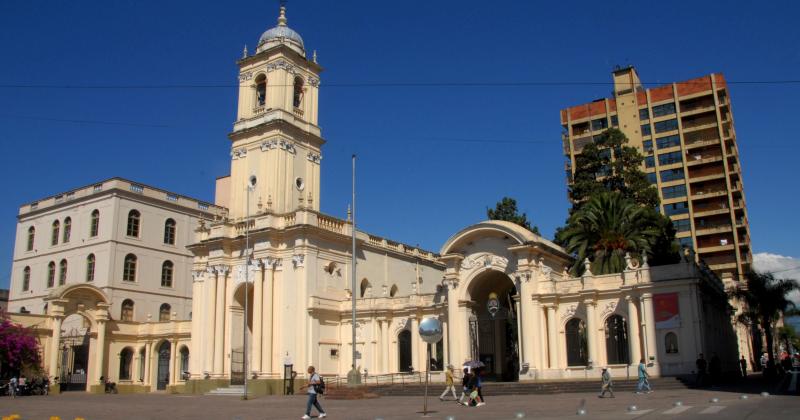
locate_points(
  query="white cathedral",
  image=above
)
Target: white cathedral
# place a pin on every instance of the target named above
(502, 293)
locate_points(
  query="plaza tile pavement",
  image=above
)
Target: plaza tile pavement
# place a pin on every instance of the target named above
(695, 404)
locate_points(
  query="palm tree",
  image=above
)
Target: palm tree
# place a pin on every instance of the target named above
(767, 299)
(607, 227)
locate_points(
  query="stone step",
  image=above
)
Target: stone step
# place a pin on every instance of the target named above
(233, 390)
(523, 388)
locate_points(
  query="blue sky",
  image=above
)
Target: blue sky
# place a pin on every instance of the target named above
(416, 184)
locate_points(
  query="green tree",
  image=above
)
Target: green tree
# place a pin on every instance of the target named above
(607, 227)
(610, 164)
(767, 299)
(506, 209)
(788, 336)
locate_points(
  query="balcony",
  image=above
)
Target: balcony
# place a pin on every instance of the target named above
(722, 266)
(701, 143)
(705, 176)
(699, 159)
(708, 193)
(712, 229)
(710, 209)
(715, 246)
(259, 110)
(697, 108)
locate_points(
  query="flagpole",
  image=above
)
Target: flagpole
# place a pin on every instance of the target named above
(353, 378)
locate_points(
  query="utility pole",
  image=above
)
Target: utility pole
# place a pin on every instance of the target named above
(353, 378)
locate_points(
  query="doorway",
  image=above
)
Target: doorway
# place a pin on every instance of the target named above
(164, 354)
(404, 351)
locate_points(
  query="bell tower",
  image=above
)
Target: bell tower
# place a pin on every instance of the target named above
(276, 141)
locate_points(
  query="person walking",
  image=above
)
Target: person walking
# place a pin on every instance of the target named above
(743, 366)
(608, 385)
(449, 384)
(701, 365)
(12, 387)
(465, 386)
(479, 385)
(643, 382)
(314, 389)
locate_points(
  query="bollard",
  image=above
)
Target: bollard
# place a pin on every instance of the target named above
(714, 400)
(520, 415)
(632, 408)
(678, 403)
(581, 412)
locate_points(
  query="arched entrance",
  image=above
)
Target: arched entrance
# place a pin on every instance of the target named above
(74, 353)
(494, 339)
(238, 333)
(164, 354)
(404, 351)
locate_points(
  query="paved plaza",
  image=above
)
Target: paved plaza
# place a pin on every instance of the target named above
(694, 404)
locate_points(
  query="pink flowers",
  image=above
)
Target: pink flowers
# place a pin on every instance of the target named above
(18, 346)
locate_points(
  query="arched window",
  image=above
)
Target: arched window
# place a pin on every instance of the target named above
(67, 229)
(404, 351)
(26, 279)
(51, 274)
(166, 274)
(23, 310)
(31, 236)
(261, 90)
(94, 223)
(671, 342)
(184, 361)
(163, 312)
(129, 268)
(617, 340)
(125, 361)
(126, 313)
(364, 287)
(298, 91)
(134, 218)
(90, 260)
(577, 353)
(393, 290)
(54, 237)
(62, 272)
(169, 232)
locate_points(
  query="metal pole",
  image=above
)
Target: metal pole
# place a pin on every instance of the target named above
(353, 277)
(427, 375)
(246, 285)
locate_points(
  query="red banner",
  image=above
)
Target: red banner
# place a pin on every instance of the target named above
(667, 312)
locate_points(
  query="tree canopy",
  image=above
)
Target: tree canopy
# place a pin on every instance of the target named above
(767, 299)
(506, 209)
(608, 173)
(19, 349)
(609, 164)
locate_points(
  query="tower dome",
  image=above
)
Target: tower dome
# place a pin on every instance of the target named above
(281, 34)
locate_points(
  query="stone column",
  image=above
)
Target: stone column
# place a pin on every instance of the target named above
(100, 352)
(552, 336)
(529, 320)
(219, 326)
(55, 343)
(258, 305)
(445, 345)
(148, 356)
(591, 328)
(453, 319)
(649, 323)
(210, 284)
(633, 331)
(385, 344)
(269, 308)
(415, 347)
(173, 357)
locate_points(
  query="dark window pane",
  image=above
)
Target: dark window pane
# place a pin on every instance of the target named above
(667, 125)
(665, 109)
(644, 114)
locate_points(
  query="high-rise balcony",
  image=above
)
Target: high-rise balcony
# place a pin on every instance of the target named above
(693, 159)
(713, 228)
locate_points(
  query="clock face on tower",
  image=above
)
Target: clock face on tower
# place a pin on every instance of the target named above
(299, 183)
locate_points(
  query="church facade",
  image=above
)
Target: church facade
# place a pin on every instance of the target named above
(271, 282)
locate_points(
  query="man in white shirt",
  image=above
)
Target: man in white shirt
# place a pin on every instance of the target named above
(313, 381)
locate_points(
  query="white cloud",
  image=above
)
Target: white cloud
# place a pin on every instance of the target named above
(784, 267)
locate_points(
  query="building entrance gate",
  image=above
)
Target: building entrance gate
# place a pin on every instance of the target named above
(74, 360)
(237, 367)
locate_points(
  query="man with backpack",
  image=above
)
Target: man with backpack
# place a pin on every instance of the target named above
(316, 387)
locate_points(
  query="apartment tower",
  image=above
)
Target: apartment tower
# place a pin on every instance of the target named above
(685, 131)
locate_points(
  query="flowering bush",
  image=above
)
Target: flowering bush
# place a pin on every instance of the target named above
(18, 346)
